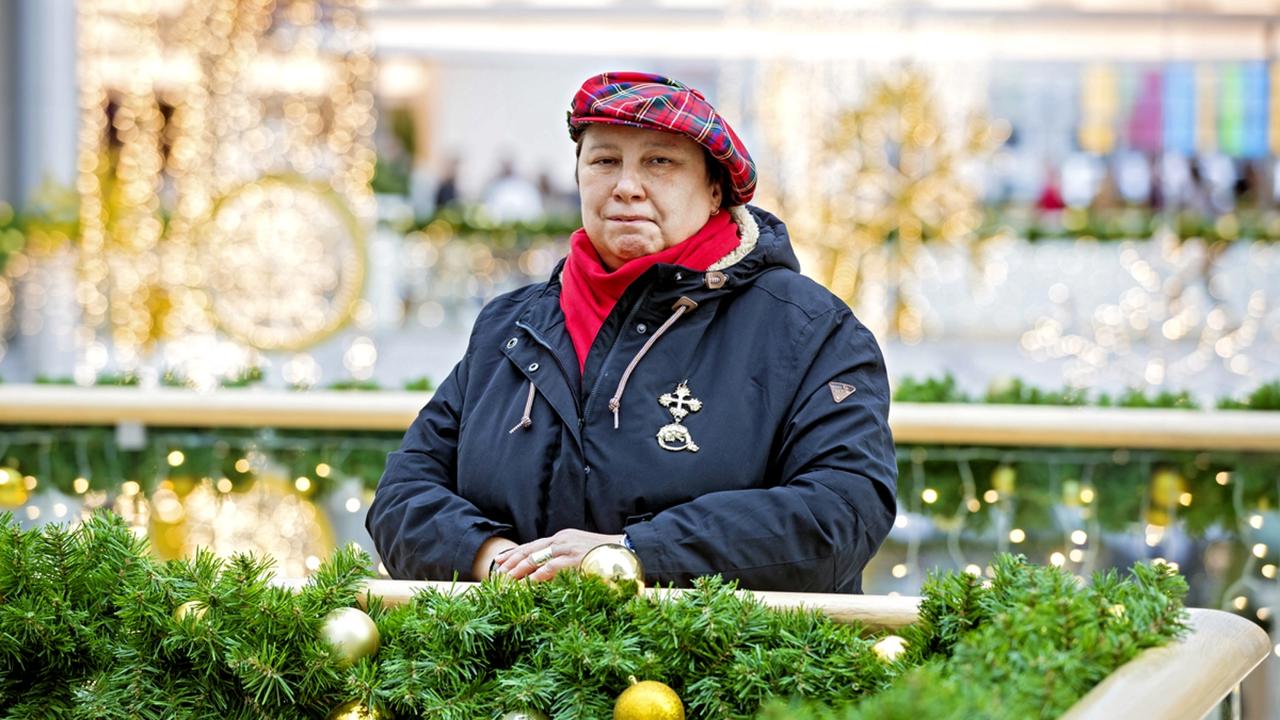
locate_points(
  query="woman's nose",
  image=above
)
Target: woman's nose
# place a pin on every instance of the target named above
(629, 186)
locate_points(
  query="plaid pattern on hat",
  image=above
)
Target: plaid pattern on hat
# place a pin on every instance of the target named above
(654, 102)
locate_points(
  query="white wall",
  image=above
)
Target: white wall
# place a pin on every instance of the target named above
(486, 108)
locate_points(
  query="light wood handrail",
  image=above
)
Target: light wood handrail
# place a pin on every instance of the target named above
(1180, 681)
(983, 425)
(873, 610)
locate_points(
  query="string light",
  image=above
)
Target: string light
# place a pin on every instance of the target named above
(201, 131)
(1160, 330)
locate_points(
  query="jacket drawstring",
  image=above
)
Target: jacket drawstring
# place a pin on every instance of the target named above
(526, 421)
(682, 306)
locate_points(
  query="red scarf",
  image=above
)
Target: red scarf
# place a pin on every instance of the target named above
(590, 290)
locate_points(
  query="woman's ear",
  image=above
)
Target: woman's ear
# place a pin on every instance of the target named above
(716, 198)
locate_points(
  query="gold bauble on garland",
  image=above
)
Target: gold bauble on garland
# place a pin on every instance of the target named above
(351, 634)
(648, 700)
(615, 564)
(355, 710)
(525, 715)
(13, 489)
(190, 608)
(1004, 480)
(889, 647)
(1168, 490)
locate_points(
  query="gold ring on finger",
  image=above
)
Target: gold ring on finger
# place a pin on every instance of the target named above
(542, 557)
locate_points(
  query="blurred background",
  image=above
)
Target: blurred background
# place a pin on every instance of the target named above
(240, 240)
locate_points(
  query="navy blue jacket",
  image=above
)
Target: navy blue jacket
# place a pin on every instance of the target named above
(792, 485)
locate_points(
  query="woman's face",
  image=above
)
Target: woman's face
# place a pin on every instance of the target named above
(642, 190)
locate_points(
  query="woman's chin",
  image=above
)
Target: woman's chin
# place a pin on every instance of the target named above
(630, 247)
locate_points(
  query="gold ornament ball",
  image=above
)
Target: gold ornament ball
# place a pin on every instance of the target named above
(889, 647)
(648, 700)
(355, 710)
(190, 608)
(351, 634)
(614, 564)
(1004, 479)
(525, 715)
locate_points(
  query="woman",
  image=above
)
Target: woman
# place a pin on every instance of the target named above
(675, 385)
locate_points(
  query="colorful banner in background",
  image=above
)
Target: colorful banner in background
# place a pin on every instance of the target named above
(1231, 110)
(1179, 107)
(1274, 114)
(1253, 121)
(1098, 105)
(1206, 108)
(1146, 119)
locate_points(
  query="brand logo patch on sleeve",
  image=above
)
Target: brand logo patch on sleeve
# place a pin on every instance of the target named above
(840, 391)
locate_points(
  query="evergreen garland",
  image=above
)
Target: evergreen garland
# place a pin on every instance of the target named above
(88, 629)
(1028, 645)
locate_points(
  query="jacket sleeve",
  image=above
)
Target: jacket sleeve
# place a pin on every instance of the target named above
(833, 478)
(422, 528)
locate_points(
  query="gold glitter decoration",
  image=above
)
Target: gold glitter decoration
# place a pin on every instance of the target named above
(355, 710)
(648, 700)
(220, 141)
(886, 179)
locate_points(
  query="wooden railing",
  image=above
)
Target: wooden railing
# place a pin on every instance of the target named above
(1181, 681)
(982, 425)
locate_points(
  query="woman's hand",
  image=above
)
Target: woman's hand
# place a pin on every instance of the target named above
(566, 549)
(492, 548)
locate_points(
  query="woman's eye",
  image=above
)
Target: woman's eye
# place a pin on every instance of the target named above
(661, 161)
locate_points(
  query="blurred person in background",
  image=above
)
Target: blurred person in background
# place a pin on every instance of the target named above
(447, 189)
(675, 386)
(510, 197)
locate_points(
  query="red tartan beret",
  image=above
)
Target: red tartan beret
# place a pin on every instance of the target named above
(654, 102)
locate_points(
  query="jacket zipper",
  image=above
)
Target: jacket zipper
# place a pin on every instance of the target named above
(626, 323)
(577, 402)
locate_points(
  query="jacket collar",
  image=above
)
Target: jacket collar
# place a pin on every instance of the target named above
(765, 246)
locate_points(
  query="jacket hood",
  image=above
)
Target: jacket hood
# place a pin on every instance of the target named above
(765, 245)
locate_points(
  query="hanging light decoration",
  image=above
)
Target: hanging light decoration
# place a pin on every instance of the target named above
(225, 158)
